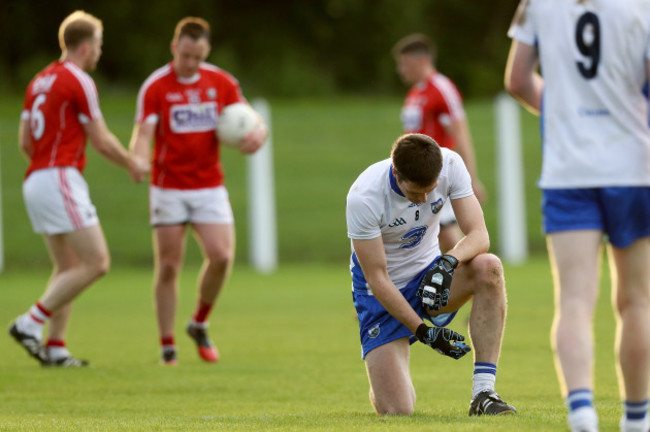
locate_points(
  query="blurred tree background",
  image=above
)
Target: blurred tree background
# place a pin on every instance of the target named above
(279, 48)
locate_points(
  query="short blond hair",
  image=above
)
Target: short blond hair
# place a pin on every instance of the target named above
(76, 28)
(415, 44)
(193, 27)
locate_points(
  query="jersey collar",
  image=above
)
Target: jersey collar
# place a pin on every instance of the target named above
(393, 182)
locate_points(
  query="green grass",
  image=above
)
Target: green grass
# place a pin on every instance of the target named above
(289, 340)
(290, 360)
(320, 147)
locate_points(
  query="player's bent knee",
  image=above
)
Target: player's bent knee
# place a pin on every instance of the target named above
(395, 409)
(488, 270)
(100, 265)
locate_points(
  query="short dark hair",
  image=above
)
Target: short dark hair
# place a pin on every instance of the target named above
(193, 27)
(77, 28)
(417, 158)
(415, 44)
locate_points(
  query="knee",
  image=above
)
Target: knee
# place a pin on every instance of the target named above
(394, 406)
(405, 408)
(632, 304)
(168, 269)
(220, 258)
(100, 265)
(488, 272)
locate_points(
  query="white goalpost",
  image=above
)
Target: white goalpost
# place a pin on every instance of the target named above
(262, 229)
(513, 238)
(263, 249)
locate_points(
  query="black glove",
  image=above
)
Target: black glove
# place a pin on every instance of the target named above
(446, 342)
(434, 287)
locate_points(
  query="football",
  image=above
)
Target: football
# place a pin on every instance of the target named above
(234, 122)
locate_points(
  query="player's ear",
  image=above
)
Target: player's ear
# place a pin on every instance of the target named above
(172, 48)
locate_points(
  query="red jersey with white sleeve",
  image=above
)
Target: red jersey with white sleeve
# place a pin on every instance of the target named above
(186, 110)
(430, 106)
(58, 101)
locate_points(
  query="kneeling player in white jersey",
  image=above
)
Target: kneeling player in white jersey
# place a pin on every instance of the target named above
(595, 59)
(399, 277)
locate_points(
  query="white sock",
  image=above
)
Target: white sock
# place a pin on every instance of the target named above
(484, 378)
(583, 419)
(203, 325)
(635, 425)
(26, 324)
(57, 352)
(635, 417)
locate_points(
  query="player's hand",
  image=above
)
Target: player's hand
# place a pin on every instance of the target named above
(447, 342)
(138, 168)
(434, 287)
(254, 139)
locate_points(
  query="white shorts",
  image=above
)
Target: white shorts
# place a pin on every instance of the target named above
(447, 216)
(180, 206)
(57, 201)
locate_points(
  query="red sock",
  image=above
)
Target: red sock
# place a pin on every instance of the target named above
(202, 311)
(167, 341)
(55, 343)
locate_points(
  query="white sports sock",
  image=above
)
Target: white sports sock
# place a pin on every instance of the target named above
(583, 419)
(635, 417)
(26, 324)
(39, 314)
(627, 425)
(484, 378)
(57, 352)
(203, 325)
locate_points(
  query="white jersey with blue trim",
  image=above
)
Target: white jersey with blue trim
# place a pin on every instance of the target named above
(377, 208)
(594, 116)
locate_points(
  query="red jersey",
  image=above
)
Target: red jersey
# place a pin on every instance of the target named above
(58, 101)
(186, 111)
(430, 106)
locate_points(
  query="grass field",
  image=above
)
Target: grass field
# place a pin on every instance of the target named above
(320, 148)
(289, 340)
(290, 361)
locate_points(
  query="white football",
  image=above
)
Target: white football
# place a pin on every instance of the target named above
(235, 122)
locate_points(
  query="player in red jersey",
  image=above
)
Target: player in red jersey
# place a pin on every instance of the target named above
(61, 111)
(178, 107)
(434, 107)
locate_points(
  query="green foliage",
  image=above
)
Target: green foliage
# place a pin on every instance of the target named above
(320, 147)
(284, 48)
(290, 360)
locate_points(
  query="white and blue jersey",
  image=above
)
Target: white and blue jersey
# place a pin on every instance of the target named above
(594, 121)
(377, 208)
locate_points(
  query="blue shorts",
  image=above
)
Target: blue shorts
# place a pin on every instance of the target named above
(623, 213)
(377, 327)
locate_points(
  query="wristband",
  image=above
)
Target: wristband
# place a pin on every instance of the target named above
(421, 332)
(451, 260)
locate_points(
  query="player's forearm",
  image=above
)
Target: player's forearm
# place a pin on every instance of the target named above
(394, 302)
(25, 140)
(529, 95)
(472, 244)
(140, 144)
(111, 148)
